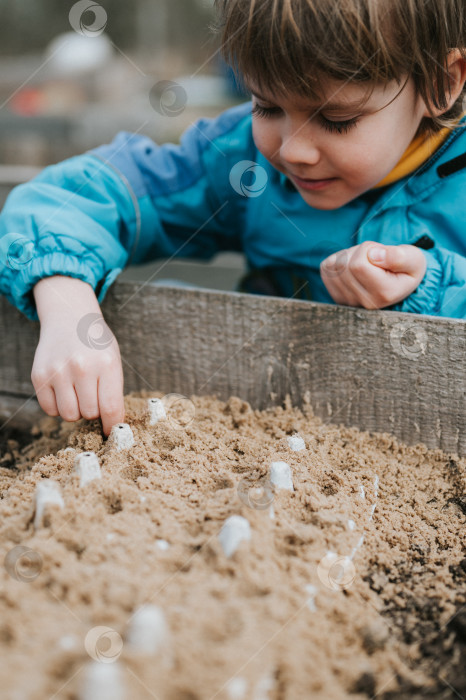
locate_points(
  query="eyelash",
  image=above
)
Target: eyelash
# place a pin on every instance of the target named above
(339, 127)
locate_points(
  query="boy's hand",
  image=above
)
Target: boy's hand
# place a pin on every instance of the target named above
(373, 275)
(77, 366)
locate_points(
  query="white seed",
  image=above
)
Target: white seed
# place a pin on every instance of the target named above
(121, 437)
(47, 495)
(280, 476)
(87, 466)
(296, 443)
(312, 592)
(162, 544)
(102, 681)
(362, 493)
(264, 686)
(351, 524)
(235, 530)
(148, 630)
(67, 642)
(156, 411)
(237, 688)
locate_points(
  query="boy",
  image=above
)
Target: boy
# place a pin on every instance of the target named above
(346, 184)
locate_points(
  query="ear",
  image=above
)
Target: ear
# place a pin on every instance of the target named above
(456, 68)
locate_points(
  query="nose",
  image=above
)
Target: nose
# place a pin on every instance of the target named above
(299, 145)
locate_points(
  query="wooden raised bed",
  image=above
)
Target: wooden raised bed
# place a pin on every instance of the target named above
(377, 370)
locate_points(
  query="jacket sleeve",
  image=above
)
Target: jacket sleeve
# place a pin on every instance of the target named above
(442, 291)
(130, 201)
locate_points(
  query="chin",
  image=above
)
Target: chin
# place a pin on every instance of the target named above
(321, 203)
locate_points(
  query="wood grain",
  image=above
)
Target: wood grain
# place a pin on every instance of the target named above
(377, 370)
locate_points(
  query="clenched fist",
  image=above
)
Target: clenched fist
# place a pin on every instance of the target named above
(373, 275)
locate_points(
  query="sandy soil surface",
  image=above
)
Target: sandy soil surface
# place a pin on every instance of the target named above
(353, 585)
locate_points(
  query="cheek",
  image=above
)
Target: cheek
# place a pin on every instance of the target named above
(266, 137)
(361, 156)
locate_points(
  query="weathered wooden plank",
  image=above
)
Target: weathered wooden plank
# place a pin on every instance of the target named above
(380, 371)
(19, 411)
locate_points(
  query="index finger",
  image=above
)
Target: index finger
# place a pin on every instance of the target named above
(111, 402)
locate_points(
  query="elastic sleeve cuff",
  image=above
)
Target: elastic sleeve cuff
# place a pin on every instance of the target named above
(426, 298)
(22, 281)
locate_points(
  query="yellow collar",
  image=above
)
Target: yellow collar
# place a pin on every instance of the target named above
(418, 151)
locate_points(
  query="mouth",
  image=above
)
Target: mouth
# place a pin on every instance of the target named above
(311, 184)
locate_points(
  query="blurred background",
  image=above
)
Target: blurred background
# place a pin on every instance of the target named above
(73, 74)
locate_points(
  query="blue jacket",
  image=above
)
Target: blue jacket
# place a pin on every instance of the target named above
(133, 201)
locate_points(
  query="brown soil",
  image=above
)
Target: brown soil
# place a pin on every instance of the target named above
(388, 619)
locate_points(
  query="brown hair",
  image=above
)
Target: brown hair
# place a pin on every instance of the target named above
(288, 46)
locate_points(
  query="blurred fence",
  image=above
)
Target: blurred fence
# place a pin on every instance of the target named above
(65, 89)
(27, 26)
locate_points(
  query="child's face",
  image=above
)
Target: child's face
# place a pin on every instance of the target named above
(351, 157)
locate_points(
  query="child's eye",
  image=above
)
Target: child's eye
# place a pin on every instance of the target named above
(333, 126)
(340, 127)
(264, 111)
